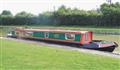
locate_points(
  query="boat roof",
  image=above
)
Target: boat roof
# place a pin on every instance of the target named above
(51, 30)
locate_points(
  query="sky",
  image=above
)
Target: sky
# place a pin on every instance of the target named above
(39, 6)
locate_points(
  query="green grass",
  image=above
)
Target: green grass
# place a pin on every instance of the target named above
(29, 56)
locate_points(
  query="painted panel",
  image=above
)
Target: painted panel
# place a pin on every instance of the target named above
(77, 37)
(38, 34)
(60, 36)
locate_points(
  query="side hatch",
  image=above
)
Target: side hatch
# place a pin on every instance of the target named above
(87, 37)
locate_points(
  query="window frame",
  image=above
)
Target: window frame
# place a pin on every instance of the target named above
(66, 36)
(46, 34)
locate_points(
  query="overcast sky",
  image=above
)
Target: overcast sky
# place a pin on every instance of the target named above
(39, 6)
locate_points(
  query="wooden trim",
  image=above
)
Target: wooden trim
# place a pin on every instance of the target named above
(81, 39)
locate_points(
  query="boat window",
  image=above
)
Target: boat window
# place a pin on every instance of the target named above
(70, 36)
(29, 33)
(46, 35)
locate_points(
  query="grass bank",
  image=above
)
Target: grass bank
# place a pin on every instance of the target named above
(25, 56)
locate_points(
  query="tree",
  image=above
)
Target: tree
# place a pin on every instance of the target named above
(6, 13)
(6, 18)
(46, 18)
(111, 14)
(24, 14)
(24, 18)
